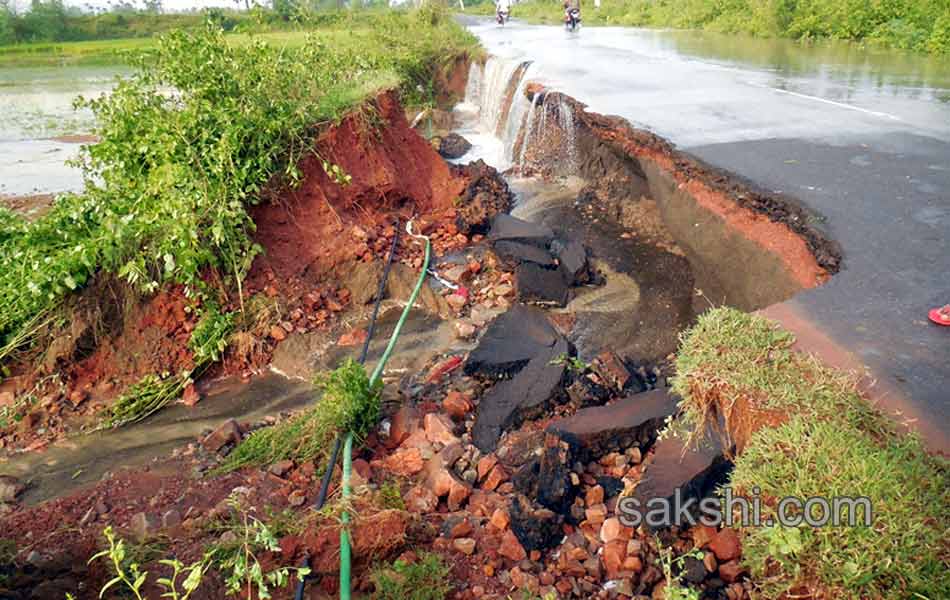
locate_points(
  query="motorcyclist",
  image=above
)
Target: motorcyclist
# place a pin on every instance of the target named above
(571, 5)
(502, 7)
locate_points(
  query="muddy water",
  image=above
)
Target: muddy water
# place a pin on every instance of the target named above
(37, 111)
(646, 294)
(85, 459)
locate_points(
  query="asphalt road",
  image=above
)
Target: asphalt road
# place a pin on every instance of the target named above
(861, 138)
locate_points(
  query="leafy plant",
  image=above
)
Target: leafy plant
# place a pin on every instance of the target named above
(573, 363)
(129, 575)
(425, 579)
(674, 589)
(239, 562)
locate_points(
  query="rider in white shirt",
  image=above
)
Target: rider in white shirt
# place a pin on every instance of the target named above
(502, 5)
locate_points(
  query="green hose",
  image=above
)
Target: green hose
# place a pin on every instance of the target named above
(345, 552)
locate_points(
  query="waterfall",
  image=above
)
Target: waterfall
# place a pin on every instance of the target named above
(528, 129)
(502, 122)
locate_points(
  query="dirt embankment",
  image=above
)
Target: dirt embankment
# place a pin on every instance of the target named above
(748, 247)
(310, 237)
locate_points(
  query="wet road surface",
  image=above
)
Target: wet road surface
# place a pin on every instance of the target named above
(861, 138)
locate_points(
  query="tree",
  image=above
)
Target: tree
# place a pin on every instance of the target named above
(45, 21)
(7, 17)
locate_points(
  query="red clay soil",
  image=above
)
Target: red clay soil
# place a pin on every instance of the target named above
(309, 232)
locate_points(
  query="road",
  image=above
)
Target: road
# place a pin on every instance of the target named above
(862, 138)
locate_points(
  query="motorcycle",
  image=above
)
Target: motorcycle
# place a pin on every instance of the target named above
(572, 19)
(502, 17)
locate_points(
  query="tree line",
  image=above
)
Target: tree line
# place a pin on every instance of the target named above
(54, 21)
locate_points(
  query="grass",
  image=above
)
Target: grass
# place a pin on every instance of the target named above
(348, 403)
(425, 579)
(919, 25)
(819, 438)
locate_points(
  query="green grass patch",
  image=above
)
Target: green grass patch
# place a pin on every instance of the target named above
(348, 403)
(829, 442)
(919, 25)
(168, 187)
(425, 579)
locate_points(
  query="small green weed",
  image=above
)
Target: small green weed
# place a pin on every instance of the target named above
(130, 577)
(426, 579)
(675, 590)
(239, 563)
(573, 363)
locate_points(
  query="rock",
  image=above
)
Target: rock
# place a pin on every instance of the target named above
(464, 545)
(281, 467)
(7, 399)
(277, 333)
(510, 342)
(557, 486)
(613, 557)
(730, 571)
(463, 329)
(694, 471)
(405, 462)
(190, 396)
(10, 488)
(538, 285)
(486, 464)
(453, 146)
(726, 545)
(710, 563)
(421, 499)
(535, 528)
(495, 478)
(296, 498)
(171, 518)
(456, 405)
(611, 369)
(439, 429)
(529, 394)
(632, 420)
(443, 482)
(612, 529)
(499, 519)
(228, 432)
(595, 495)
(505, 227)
(693, 570)
(457, 527)
(486, 195)
(572, 261)
(456, 301)
(511, 254)
(612, 486)
(143, 525)
(511, 548)
(405, 422)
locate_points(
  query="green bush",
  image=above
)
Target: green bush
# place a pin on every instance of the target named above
(168, 187)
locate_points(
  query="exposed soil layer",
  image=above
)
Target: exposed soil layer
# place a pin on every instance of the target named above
(312, 238)
(748, 247)
(31, 207)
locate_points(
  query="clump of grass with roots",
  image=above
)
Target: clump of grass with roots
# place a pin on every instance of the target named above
(804, 430)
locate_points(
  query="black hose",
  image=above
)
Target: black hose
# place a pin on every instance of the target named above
(328, 475)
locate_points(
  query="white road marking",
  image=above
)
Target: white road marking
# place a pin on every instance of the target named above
(826, 101)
